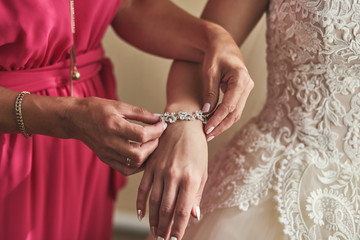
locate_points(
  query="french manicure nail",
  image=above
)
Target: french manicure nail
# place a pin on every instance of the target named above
(209, 130)
(165, 126)
(210, 138)
(173, 238)
(157, 114)
(160, 238)
(206, 108)
(139, 215)
(197, 210)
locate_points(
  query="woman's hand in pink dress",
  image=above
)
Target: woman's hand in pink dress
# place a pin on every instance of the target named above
(223, 68)
(176, 174)
(104, 127)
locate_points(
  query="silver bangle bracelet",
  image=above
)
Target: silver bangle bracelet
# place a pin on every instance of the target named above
(184, 116)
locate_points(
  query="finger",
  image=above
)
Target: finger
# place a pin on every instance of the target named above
(141, 134)
(128, 153)
(230, 119)
(182, 211)
(228, 105)
(232, 100)
(139, 114)
(211, 79)
(154, 204)
(139, 153)
(166, 208)
(196, 212)
(121, 168)
(143, 193)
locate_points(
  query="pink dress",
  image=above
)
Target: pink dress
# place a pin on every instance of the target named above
(52, 188)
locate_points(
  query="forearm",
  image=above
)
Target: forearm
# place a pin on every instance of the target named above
(184, 88)
(41, 115)
(161, 28)
(238, 17)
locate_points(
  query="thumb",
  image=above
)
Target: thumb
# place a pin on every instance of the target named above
(211, 80)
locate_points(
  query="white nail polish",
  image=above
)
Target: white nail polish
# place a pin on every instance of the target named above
(197, 210)
(165, 126)
(173, 238)
(210, 138)
(160, 238)
(206, 108)
(209, 130)
(157, 114)
(139, 215)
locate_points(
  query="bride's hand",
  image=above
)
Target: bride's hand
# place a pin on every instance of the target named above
(176, 174)
(223, 68)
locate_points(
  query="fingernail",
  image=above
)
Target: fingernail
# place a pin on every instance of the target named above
(206, 108)
(197, 210)
(209, 130)
(210, 138)
(139, 215)
(165, 126)
(160, 238)
(173, 238)
(153, 231)
(157, 114)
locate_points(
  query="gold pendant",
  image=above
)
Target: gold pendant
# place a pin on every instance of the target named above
(75, 75)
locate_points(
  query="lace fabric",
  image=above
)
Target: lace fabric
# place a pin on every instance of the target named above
(305, 144)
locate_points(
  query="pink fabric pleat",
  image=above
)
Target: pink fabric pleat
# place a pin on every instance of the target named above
(55, 188)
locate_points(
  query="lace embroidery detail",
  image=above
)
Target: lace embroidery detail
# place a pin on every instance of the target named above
(305, 144)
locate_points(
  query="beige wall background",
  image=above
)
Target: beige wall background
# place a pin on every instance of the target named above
(141, 80)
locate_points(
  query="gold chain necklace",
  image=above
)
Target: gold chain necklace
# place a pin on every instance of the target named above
(74, 73)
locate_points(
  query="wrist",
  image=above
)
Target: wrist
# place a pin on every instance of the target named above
(179, 107)
(181, 127)
(46, 115)
(68, 115)
(180, 115)
(213, 33)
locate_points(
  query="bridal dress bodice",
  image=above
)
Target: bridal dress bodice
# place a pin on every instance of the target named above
(305, 144)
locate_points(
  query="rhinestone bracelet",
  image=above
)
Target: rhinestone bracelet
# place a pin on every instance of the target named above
(18, 112)
(173, 117)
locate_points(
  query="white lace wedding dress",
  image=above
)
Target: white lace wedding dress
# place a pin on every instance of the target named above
(293, 172)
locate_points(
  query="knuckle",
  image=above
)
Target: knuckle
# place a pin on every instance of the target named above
(154, 202)
(211, 71)
(211, 94)
(138, 157)
(247, 78)
(181, 213)
(189, 179)
(251, 84)
(165, 210)
(229, 107)
(143, 135)
(170, 173)
(139, 110)
(236, 118)
(244, 72)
